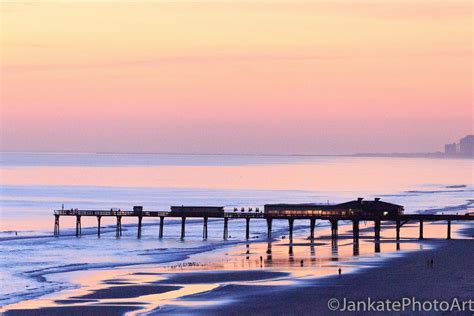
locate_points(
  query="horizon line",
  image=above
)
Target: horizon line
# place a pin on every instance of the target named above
(216, 154)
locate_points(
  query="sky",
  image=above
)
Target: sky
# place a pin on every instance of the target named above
(252, 77)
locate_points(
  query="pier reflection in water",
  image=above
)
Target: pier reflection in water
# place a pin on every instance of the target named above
(324, 253)
(300, 258)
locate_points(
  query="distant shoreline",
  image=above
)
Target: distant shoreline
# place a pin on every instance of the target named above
(412, 155)
(437, 155)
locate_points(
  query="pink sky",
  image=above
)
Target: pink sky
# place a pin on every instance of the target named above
(309, 77)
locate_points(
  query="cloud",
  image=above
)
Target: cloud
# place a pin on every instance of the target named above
(239, 58)
(224, 58)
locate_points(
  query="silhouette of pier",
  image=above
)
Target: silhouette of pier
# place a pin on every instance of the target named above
(375, 211)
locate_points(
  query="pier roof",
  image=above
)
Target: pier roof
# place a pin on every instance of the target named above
(375, 205)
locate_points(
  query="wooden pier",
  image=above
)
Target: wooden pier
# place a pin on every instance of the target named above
(356, 211)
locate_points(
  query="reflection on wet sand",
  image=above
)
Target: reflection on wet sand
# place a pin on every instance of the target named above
(277, 262)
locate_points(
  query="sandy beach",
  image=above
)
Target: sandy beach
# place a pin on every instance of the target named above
(267, 291)
(403, 277)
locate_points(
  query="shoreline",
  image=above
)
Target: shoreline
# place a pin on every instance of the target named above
(230, 291)
(41, 274)
(182, 255)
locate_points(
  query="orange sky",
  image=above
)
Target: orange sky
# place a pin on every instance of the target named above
(270, 76)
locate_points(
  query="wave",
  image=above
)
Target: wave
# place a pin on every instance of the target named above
(449, 209)
(438, 191)
(457, 189)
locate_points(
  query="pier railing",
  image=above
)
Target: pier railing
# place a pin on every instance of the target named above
(333, 218)
(77, 212)
(244, 215)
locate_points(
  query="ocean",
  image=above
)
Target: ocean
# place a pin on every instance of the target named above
(32, 185)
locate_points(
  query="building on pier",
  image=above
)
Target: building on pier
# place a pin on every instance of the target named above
(359, 207)
(138, 210)
(197, 211)
(374, 207)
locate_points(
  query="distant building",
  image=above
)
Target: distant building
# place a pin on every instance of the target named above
(466, 146)
(451, 149)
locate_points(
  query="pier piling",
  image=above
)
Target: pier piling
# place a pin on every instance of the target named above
(226, 228)
(377, 229)
(98, 225)
(312, 224)
(160, 234)
(355, 231)
(78, 225)
(333, 228)
(247, 228)
(397, 228)
(183, 227)
(56, 225)
(449, 230)
(204, 229)
(139, 232)
(421, 229)
(290, 228)
(118, 227)
(269, 228)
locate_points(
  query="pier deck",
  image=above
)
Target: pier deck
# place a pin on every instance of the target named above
(321, 213)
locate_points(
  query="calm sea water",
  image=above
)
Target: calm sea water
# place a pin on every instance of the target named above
(33, 184)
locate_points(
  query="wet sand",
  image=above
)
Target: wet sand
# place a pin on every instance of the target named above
(221, 276)
(127, 291)
(404, 277)
(251, 291)
(93, 310)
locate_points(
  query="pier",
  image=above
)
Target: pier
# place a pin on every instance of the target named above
(375, 211)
